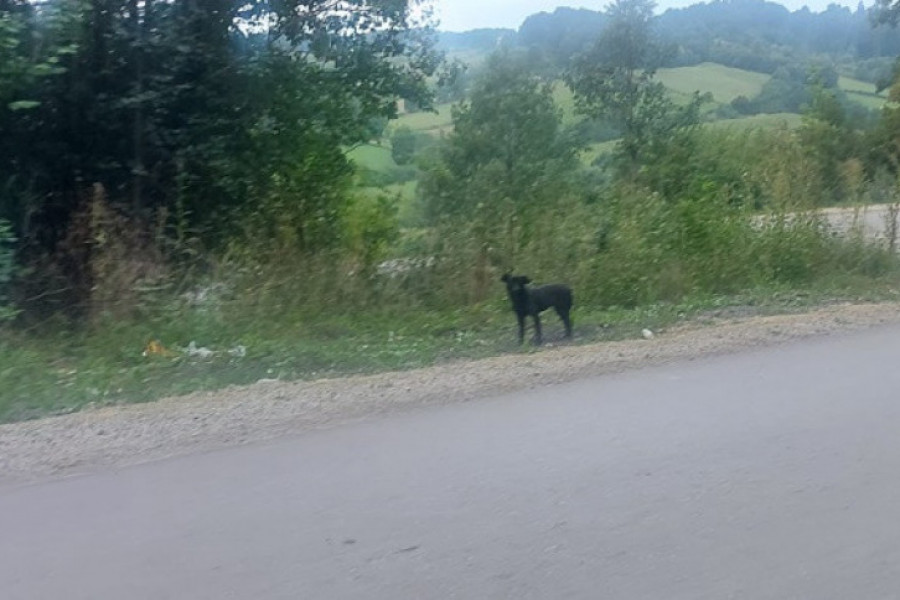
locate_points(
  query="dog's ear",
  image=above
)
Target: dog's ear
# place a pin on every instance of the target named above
(525, 279)
(505, 278)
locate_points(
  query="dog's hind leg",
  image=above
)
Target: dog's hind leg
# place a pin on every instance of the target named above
(566, 319)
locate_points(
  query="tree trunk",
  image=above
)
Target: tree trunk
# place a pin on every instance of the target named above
(138, 169)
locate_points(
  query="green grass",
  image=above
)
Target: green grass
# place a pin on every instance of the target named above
(62, 373)
(369, 156)
(727, 83)
(770, 121)
(408, 209)
(58, 375)
(565, 100)
(870, 101)
(765, 121)
(433, 123)
(594, 151)
(848, 84)
(862, 92)
(378, 158)
(724, 83)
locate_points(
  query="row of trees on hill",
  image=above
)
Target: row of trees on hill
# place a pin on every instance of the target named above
(756, 35)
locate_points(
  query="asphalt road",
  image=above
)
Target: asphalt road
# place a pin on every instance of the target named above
(768, 474)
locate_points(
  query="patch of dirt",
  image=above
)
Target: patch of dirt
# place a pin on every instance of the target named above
(123, 435)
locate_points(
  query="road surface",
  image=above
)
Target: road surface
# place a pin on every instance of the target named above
(873, 220)
(767, 474)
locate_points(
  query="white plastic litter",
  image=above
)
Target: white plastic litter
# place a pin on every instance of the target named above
(201, 352)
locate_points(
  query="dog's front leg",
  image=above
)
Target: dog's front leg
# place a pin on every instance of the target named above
(537, 329)
(521, 319)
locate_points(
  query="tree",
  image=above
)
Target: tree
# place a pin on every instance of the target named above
(887, 12)
(829, 141)
(614, 80)
(884, 140)
(511, 128)
(6, 269)
(403, 145)
(225, 113)
(559, 35)
(505, 166)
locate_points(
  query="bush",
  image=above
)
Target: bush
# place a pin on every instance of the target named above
(403, 145)
(7, 265)
(391, 176)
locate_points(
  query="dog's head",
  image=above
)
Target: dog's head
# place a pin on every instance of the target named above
(515, 283)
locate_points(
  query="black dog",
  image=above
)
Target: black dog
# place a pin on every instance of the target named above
(534, 300)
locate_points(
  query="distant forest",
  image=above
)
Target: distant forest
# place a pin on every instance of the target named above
(748, 34)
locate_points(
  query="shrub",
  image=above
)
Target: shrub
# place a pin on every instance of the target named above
(112, 262)
(403, 145)
(7, 265)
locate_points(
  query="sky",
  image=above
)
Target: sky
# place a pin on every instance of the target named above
(461, 15)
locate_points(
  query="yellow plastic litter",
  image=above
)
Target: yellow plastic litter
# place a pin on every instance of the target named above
(155, 348)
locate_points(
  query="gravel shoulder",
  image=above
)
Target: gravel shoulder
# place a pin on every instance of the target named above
(118, 436)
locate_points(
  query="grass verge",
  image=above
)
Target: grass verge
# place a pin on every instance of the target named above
(63, 372)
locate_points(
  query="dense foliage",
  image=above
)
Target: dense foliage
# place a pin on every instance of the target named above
(506, 164)
(613, 81)
(216, 119)
(148, 136)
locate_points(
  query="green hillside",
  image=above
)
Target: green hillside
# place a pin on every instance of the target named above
(724, 83)
(376, 158)
(433, 123)
(767, 121)
(848, 84)
(564, 98)
(862, 92)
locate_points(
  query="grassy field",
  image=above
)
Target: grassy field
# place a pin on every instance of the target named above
(773, 121)
(724, 83)
(370, 156)
(45, 376)
(863, 92)
(594, 151)
(564, 98)
(870, 101)
(848, 84)
(433, 123)
(65, 373)
(768, 121)
(409, 212)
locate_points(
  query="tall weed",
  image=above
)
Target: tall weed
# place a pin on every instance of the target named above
(7, 264)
